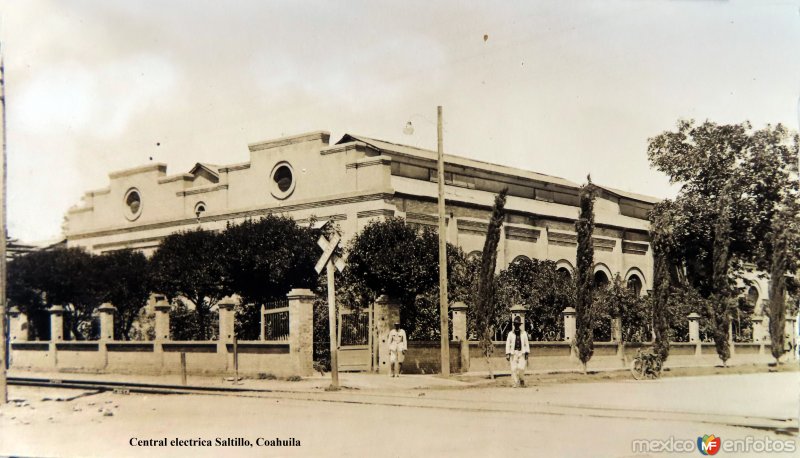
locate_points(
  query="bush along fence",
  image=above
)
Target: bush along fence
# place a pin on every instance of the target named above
(287, 355)
(561, 355)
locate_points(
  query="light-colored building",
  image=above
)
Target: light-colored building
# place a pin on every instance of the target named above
(359, 179)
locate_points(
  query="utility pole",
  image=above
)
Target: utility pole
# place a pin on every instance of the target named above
(3, 276)
(443, 306)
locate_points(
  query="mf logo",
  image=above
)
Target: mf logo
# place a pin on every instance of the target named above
(708, 445)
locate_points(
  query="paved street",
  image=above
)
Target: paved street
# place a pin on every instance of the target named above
(578, 419)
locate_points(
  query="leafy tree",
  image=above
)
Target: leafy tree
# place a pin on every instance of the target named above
(584, 269)
(486, 308)
(25, 290)
(732, 178)
(400, 260)
(542, 289)
(81, 282)
(189, 265)
(185, 324)
(619, 301)
(71, 277)
(704, 159)
(265, 259)
(247, 321)
(124, 278)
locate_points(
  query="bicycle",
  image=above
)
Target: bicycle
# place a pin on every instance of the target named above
(646, 365)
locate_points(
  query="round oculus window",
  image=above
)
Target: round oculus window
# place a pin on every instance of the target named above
(199, 209)
(282, 180)
(133, 204)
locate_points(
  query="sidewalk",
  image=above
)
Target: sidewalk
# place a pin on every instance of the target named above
(316, 383)
(536, 366)
(381, 382)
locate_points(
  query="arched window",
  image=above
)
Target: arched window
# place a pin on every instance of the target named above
(600, 279)
(752, 296)
(564, 272)
(199, 209)
(474, 255)
(520, 258)
(748, 305)
(635, 285)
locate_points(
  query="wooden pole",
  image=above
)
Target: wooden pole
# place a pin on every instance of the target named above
(183, 368)
(3, 276)
(443, 312)
(235, 359)
(332, 324)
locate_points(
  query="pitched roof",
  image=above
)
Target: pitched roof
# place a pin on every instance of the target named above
(457, 160)
(213, 169)
(632, 195)
(394, 148)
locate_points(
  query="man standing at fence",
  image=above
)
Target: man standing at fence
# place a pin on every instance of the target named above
(397, 349)
(517, 351)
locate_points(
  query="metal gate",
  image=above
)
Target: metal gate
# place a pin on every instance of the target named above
(275, 320)
(355, 341)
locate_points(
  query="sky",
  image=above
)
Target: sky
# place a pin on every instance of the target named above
(562, 88)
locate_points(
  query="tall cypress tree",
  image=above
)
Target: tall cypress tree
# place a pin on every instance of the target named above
(720, 299)
(777, 301)
(486, 308)
(584, 272)
(661, 291)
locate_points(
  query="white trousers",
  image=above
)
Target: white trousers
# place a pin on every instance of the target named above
(518, 366)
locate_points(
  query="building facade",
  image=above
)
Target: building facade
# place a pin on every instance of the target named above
(359, 179)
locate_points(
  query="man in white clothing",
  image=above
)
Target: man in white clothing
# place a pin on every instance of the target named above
(517, 351)
(397, 349)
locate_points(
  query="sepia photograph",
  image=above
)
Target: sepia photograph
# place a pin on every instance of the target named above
(271, 228)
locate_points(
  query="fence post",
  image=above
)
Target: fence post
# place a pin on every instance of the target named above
(301, 330)
(569, 329)
(56, 331)
(56, 323)
(758, 332)
(616, 336)
(161, 328)
(694, 332)
(162, 319)
(731, 343)
(226, 320)
(518, 310)
(569, 324)
(459, 310)
(261, 320)
(226, 329)
(616, 329)
(18, 325)
(106, 312)
(790, 330)
(387, 313)
(460, 332)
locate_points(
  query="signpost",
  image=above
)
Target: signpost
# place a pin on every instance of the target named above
(330, 261)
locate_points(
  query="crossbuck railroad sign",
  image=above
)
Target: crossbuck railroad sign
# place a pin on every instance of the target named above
(331, 262)
(328, 247)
